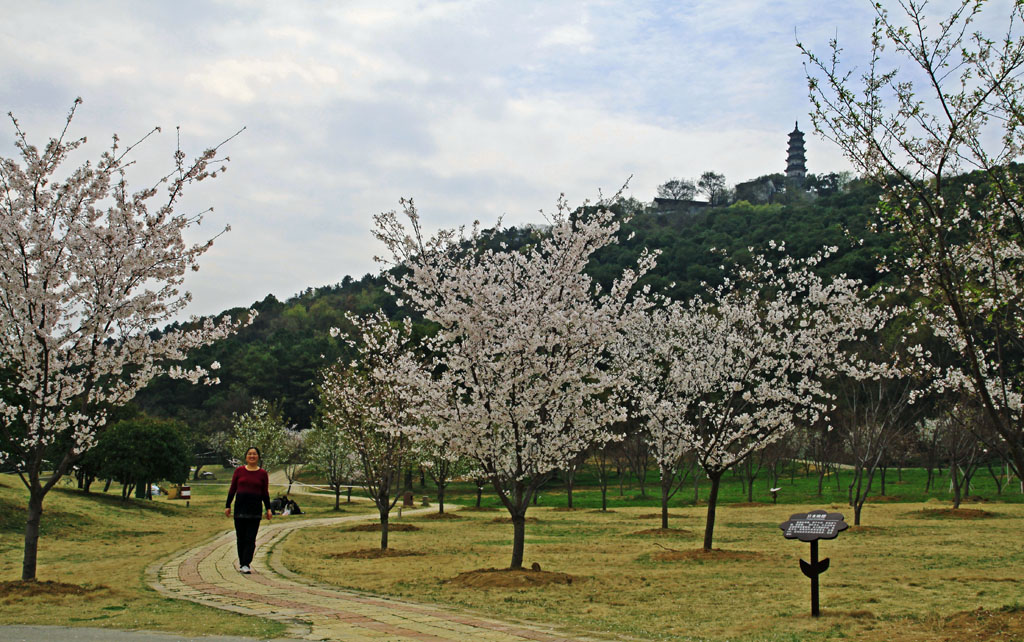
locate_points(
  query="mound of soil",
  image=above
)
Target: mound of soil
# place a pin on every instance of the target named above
(509, 578)
(480, 509)
(17, 589)
(666, 532)
(714, 555)
(956, 513)
(602, 512)
(392, 528)
(565, 509)
(658, 516)
(984, 625)
(373, 554)
(876, 499)
(508, 520)
(441, 516)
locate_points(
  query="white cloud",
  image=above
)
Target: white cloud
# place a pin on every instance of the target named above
(477, 108)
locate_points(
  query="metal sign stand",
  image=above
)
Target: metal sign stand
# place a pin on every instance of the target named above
(810, 527)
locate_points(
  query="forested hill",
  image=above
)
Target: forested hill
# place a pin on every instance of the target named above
(278, 356)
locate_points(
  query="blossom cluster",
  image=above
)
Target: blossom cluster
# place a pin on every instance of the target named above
(739, 366)
(88, 269)
(523, 336)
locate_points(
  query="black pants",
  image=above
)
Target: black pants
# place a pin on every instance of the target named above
(245, 536)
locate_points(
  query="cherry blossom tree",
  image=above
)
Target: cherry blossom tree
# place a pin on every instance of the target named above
(261, 426)
(521, 344)
(88, 270)
(935, 100)
(330, 455)
(373, 401)
(294, 454)
(728, 373)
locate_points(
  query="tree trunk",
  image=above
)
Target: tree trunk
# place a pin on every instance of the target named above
(954, 481)
(479, 494)
(665, 484)
(709, 526)
(604, 497)
(337, 498)
(440, 497)
(856, 500)
(35, 514)
(383, 529)
(568, 488)
(518, 540)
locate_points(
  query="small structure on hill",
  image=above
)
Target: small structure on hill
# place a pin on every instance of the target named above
(796, 161)
(688, 206)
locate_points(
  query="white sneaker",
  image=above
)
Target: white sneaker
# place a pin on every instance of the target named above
(245, 569)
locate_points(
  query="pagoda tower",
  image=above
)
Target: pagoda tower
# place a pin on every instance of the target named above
(796, 162)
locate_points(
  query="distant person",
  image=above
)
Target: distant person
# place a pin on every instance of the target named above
(250, 488)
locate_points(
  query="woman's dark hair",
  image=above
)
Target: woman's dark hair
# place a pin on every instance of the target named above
(254, 448)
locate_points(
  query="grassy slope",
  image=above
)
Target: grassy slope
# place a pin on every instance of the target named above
(103, 546)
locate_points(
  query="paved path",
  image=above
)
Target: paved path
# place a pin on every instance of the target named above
(207, 574)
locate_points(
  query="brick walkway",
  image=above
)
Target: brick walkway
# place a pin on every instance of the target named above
(207, 574)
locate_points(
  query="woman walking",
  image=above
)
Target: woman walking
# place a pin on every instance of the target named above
(250, 488)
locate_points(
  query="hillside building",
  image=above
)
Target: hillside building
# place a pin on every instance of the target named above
(796, 161)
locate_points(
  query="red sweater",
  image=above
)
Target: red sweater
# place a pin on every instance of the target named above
(252, 488)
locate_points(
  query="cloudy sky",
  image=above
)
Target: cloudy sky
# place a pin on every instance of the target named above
(478, 109)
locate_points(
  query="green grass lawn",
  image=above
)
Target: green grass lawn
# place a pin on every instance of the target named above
(799, 486)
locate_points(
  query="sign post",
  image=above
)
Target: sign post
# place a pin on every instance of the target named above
(810, 527)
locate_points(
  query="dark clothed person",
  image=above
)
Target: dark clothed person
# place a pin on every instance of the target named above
(250, 490)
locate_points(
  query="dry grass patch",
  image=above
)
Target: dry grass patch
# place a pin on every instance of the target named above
(18, 589)
(658, 516)
(509, 578)
(375, 528)
(664, 532)
(956, 513)
(373, 554)
(714, 555)
(441, 516)
(864, 530)
(984, 625)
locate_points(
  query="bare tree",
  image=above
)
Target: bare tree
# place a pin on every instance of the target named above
(712, 185)
(677, 188)
(872, 414)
